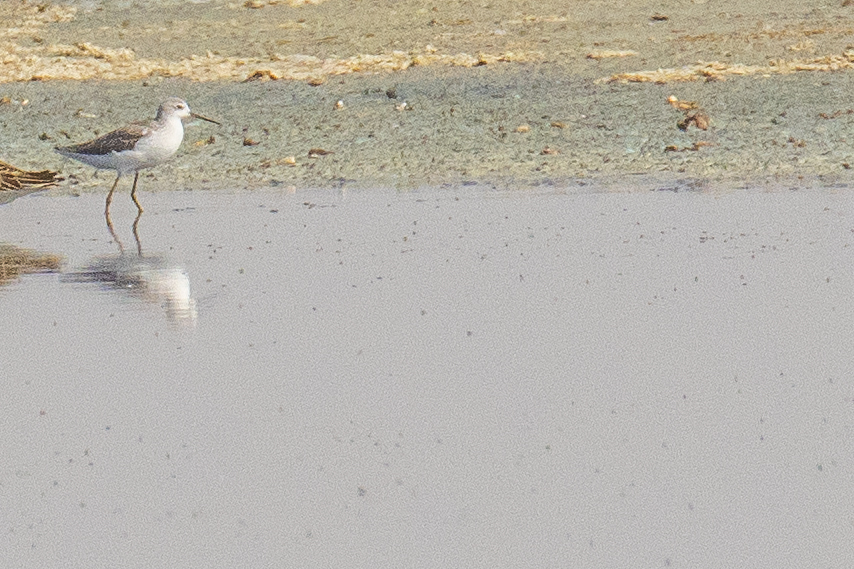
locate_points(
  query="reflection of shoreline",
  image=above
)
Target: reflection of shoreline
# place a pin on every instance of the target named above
(7, 196)
(15, 262)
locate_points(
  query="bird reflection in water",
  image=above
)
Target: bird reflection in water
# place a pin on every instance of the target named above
(150, 278)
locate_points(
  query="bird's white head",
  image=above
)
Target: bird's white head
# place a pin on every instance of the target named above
(174, 107)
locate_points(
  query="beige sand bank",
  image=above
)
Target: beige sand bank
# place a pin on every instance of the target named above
(509, 93)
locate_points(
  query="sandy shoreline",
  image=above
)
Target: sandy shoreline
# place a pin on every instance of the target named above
(516, 94)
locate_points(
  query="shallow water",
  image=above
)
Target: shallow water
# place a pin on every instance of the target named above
(430, 379)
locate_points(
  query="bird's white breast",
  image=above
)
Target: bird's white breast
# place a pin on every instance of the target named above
(159, 144)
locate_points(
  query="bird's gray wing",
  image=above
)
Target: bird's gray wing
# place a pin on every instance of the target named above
(124, 138)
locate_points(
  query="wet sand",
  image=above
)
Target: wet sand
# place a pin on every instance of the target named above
(513, 94)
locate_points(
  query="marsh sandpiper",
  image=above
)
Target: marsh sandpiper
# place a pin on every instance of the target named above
(136, 146)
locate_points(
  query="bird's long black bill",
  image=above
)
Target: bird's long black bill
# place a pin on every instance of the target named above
(195, 116)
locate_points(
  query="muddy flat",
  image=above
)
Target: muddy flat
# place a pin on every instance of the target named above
(411, 94)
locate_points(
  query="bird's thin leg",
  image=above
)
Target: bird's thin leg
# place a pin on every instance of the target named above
(110, 198)
(133, 193)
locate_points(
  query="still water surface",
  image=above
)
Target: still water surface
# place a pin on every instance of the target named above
(442, 378)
